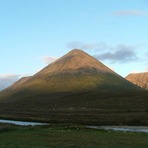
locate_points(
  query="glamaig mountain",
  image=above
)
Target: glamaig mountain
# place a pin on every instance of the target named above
(75, 88)
(74, 72)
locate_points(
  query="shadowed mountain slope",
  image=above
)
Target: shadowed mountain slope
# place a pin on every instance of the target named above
(140, 79)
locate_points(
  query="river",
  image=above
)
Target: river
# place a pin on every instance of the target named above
(22, 123)
(143, 129)
(108, 128)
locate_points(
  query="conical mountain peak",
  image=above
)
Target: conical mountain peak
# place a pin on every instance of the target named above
(74, 72)
(75, 61)
(74, 51)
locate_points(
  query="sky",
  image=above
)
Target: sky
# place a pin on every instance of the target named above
(34, 33)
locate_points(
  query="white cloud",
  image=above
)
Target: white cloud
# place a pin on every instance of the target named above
(7, 79)
(48, 59)
(131, 13)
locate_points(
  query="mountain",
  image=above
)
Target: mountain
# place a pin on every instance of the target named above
(75, 71)
(140, 79)
(76, 88)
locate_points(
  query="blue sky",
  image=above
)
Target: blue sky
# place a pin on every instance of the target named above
(33, 33)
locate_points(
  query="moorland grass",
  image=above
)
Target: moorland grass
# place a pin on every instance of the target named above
(82, 108)
(61, 136)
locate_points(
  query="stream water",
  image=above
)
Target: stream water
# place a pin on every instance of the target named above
(22, 123)
(122, 128)
(108, 128)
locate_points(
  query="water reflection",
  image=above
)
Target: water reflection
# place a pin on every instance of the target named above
(22, 123)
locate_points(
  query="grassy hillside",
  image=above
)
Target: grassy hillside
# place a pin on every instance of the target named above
(102, 83)
(90, 102)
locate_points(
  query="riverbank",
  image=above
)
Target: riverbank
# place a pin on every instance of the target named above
(143, 129)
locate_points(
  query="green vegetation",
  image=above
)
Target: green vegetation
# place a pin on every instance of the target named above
(61, 136)
(81, 108)
(79, 82)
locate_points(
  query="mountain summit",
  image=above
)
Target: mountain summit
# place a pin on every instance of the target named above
(76, 61)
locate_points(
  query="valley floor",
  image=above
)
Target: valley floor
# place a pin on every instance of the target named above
(83, 108)
(62, 136)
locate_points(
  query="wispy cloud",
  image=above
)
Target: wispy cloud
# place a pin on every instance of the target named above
(48, 59)
(7, 79)
(131, 13)
(121, 53)
(113, 53)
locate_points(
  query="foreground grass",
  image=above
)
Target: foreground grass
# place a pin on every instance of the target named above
(68, 136)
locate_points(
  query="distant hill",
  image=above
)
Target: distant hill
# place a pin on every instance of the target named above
(76, 88)
(140, 79)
